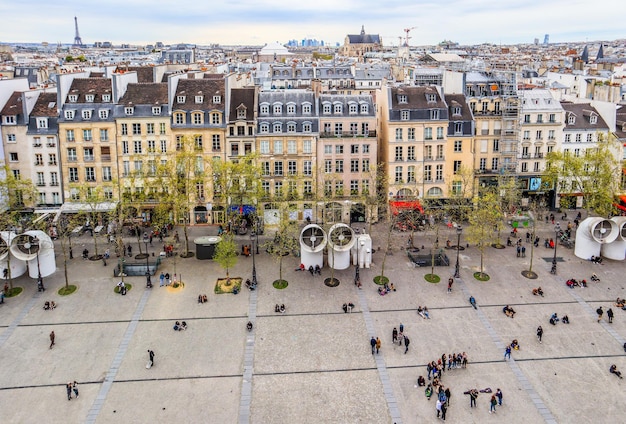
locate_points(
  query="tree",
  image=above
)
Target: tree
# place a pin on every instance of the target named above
(16, 194)
(285, 240)
(461, 192)
(509, 194)
(535, 208)
(94, 198)
(64, 233)
(595, 174)
(483, 218)
(226, 253)
(434, 214)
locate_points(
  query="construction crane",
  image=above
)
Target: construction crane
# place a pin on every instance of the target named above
(406, 37)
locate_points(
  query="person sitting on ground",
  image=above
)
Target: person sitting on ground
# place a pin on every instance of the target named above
(199, 298)
(277, 308)
(382, 291)
(619, 303)
(387, 289)
(282, 308)
(428, 391)
(183, 325)
(508, 311)
(448, 244)
(571, 283)
(318, 270)
(85, 253)
(204, 298)
(613, 370)
(554, 319)
(177, 326)
(46, 306)
(583, 283)
(345, 308)
(515, 344)
(301, 268)
(392, 287)
(311, 270)
(350, 306)
(472, 301)
(248, 283)
(426, 314)
(551, 243)
(538, 292)
(52, 304)
(421, 381)
(565, 319)
(420, 312)
(596, 259)
(509, 242)
(594, 277)
(546, 243)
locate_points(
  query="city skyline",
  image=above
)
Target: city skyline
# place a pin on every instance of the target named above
(260, 22)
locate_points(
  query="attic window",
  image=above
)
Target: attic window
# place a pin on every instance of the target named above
(9, 119)
(73, 98)
(180, 99)
(106, 97)
(69, 115)
(431, 98)
(364, 109)
(156, 110)
(241, 113)
(89, 98)
(353, 108)
(51, 105)
(402, 98)
(199, 99)
(42, 122)
(129, 110)
(571, 119)
(456, 110)
(217, 99)
(593, 119)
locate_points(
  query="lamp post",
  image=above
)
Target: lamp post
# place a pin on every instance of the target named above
(459, 230)
(146, 239)
(556, 238)
(256, 231)
(40, 286)
(253, 256)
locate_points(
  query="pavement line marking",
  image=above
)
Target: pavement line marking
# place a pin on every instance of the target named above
(16, 322)
(92, 415)
(519, 375)
(245, 400)
(390, 397)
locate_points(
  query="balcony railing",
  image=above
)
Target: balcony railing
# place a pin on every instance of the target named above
(348, 134)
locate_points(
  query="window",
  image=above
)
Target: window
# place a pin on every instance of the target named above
(410, 153)
(306, 109)
(526, 135)
(483, 164)
(291, 109)
(69, 115)
(264, 128)
(137, 146)
(399, 154)
(458, 128)
(307, 147)
(457, 187)
(278, 109)
(353, 109)
(568, 138)
(439, 133)
(106, 98)
(524, 166)
(265, 185)
(162, 127)
(217, 99)
(36, 141)
(428, 172)
(265, 169)
(366, 165)
(439, 173)
(540, 118)
(52, 158)
(398, 134)
(308, 187)
(458, 146)
(86, 114)
(104, 135)
(589, 138)
(366, 187)
(308, 169)
(411, 133)
(552, 118)
(428, 152)
(9, 119)
(278, 168)
(539, 135)
(265, 147)
(278, 147)
(277, 127)
(440, 152)
(339, 188)
(593, 119)
(536, 167)
(527, 119)
(457, 166)
(494, 164)
(278, 188)
(216, 142)
(328, 166)
(338, 128)
(550, 134)
(124, 147)
(196, 117)
(354, 149)
(73, 174)
(428, 133)
(326, 108)
(179, 118)
(13, 157)
(496, 145)
(339, 166)
(292, 148)
(339, 149)
(129, 110)
(434, 114)
(366, 148)
(404, 115)
(402, 98)
(88, 154)
(410, 175)
(365, 129)
(163, 146)
(73, 98)
(197, 141)
(42, 123)
(577, 153)
(264, 110)
(354, 165)
(292, 167)
(54, 179)
(579, 138)
(106, 173)
(90, 174)
(354, 187)
(71, 154)
(306, 127)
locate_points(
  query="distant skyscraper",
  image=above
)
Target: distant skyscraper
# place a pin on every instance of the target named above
(546, 39)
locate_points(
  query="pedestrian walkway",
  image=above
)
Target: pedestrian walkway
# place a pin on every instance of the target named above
(11, 328)
(248, 363)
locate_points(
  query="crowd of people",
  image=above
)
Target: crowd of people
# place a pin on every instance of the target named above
(180, 326)
(387, 288)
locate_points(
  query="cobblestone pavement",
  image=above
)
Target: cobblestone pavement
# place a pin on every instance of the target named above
(314, 363)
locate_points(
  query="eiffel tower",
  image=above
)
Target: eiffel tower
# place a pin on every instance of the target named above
(78, 43)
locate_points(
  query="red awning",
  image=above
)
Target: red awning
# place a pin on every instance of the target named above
(399, 206)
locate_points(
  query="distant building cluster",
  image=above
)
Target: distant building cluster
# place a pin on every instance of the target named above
(436, 122)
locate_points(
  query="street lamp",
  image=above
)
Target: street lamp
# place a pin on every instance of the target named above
(40, 287)
(357, 266)
(146, 240)
(253, 255)
(557, 228)
(256, 231)
(459, 230)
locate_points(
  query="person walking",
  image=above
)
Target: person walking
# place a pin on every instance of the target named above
(450, 282)
(151, 356)
(161, 279)
(499, 396)
(507, 352)
(401, 328)
(378, 343)
(473, 395)
(75, 388)
(448, 394)
(599, 311)
(438, 407)
(492, 404)
(68, 389)
(406, 344)
(539, 333)
(444, 409)
(52, 336)
(609, 315)
(394, 335)
(373, 344)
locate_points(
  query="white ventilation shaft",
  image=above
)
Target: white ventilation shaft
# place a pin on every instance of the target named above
(592, 234)
(312, 243)
(18, 267)
(37, 250)
(617, 249)
(340, 240)
(362, 251)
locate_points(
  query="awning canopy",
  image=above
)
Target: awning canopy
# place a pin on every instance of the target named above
(400, 206)
(70, 207)
(242, 209)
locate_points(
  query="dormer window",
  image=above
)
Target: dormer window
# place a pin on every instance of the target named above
(404, 115)
(180, 99)
(106, 98)
(434, 114)
(199, 100)
(241, 112)
(456, 110)
(571, 119)
(103, 113)
(364, 109)
(264, 128)
(89, 98)
(593, 119)
(306, 109)
(72, 98)
(69, 115)
(129, 110)
(431, 98)
(326, 108)
(42, 123)
(217, 99)
(278, 109)
(402, 98)
(265, 110)
(291, 109)
(156, 110)
(86, 114)
(277, 127)
(338, 108)
(353, 109)
(9, 119)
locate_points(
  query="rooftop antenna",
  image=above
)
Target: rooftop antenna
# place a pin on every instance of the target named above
(77, 41)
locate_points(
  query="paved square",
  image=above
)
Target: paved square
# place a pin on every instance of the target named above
(313, 364)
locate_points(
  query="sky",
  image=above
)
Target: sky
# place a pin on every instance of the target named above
(259, 22)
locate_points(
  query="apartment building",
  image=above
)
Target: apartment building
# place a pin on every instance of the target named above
(541, 126)
(87, 140)
(288, 128)
(199, 112)
(459, 170)
(347, 157)
(143, 143)
(413, 141)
